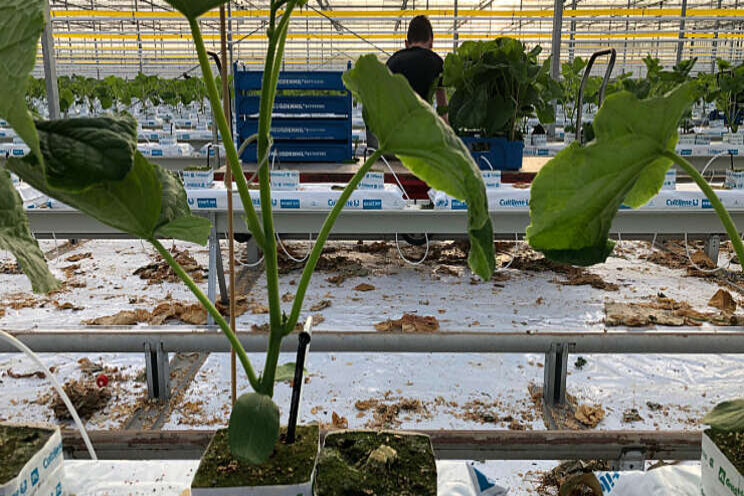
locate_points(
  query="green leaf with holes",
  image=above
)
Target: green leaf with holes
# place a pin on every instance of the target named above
(408, 127)
(254, 428)
(16, 238)
(21, 24)
(575, 196)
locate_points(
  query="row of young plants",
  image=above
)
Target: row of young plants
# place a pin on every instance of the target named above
(92, 165)
(113, 91)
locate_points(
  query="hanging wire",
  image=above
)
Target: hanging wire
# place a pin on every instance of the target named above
(513, 254)
(395, 176)
(411, 262)
(286, 252)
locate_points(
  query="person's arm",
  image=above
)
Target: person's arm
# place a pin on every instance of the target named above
(442, 102)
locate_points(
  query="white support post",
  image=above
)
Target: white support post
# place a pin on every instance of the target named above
(455, 37)
(681, 43)
(50, 65)
(555, 52)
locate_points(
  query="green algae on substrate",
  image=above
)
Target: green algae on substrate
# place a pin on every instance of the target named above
(731, 445)
(18, 444)
(288, 464)
(344, 470)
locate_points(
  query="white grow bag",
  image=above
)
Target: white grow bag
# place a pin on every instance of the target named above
(42, 475)
(719, 476)
(301, 489)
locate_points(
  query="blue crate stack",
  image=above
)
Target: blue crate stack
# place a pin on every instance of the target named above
(305, 128)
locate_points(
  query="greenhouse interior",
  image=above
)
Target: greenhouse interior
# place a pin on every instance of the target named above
(415, 248)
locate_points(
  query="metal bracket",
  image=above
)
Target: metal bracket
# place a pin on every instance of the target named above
(224, 295)
(214, 247)
(630, 459)
(712, 246)
(158, 372)
(556, 370)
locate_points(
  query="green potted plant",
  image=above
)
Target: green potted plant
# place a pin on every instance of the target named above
(722, 462)
(728, 93)
(92, 165)
(497, 85)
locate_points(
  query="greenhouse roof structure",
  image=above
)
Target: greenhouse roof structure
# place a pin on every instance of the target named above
(123, 37)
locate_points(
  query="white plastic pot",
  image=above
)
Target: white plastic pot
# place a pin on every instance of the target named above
(719, 476)
(42, 475)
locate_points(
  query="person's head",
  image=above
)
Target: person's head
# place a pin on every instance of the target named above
(420, 33)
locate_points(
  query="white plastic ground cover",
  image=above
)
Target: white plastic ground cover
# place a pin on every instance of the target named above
(672, 480)
(719, 476)
(42, 475)
(685, 197)
(320, 196)
(686, 386)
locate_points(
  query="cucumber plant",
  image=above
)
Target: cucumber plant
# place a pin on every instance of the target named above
(93, 165)
(498, 84)
(575, 196)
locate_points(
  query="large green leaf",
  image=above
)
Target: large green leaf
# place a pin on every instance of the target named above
(16, 238)
(147, 203)
(254, 428)
(727, 416)
(131, 205)
(176, 220)
(194, 8)
(21, 24)
(575, 196)
(408, 127)
(81, 152)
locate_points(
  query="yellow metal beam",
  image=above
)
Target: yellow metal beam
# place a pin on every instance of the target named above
(385, 13)
(102, 37)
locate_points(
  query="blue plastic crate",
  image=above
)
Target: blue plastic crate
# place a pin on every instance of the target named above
(292, 151)
(499, 152)
(302, 129)
(309, 128)
(290, 105)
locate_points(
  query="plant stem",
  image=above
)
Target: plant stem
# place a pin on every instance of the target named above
(271, 69)
(232, 156)
(325, 231)
(723, 214)
(212, 311)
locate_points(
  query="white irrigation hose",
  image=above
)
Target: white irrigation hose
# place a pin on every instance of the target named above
(712, 159)
(410, 262)
(395, 176)
(513, 254)
(704, 271)
(297, 260)
(4, 336)
(488, 162)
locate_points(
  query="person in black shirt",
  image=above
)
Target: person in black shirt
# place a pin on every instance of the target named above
(419, 64)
